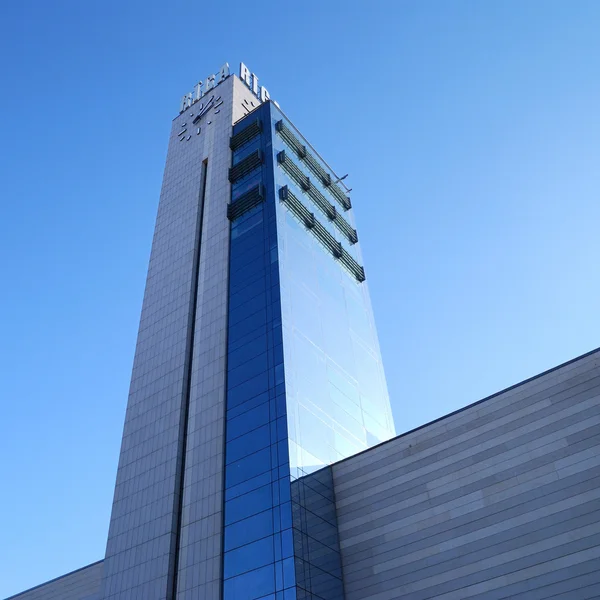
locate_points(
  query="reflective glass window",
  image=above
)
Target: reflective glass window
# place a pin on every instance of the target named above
(248, 485)
(248, 326)
(248, 270)
(247, 405)
(248, 467)
(245, 183)
(249, 389)
(248, 421)
(240, 355)
(251, 306)
(250, 503)
(249, 530)
(250, 586)
(250, 368)
(246, 149)
(248, 444)
(253, 339)
(249, 557)
(250, 290)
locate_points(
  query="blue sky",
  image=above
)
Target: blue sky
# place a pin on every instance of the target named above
(470, 132)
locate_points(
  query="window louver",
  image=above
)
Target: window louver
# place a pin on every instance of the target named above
(245, 203)
(245, 166)
(313, 164)
(246, 134)
(317, 229)
(324, 206)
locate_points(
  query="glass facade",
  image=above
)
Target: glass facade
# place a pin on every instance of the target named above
(337, 400)
(258, 560)
(305, 384)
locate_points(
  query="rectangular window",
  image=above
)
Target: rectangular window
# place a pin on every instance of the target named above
(249, 530)
(247, 390)
(248, 421)
(249, 557)
(248, 486)
(248, 444)
(249, 307)
(251, 585)
(248, 404)
(252, 324)
(248, 467)
(246, 149)
(251, 503)
(254, 288)
(247, 370)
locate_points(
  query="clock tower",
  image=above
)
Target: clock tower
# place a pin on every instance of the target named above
(257, 365)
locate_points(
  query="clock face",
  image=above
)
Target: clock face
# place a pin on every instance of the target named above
(213, 103)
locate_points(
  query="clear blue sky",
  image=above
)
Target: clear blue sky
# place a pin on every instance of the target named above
(471, 132)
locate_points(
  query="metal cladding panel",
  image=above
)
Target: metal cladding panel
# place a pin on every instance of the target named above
(83, 584)
(189, 246)
(499, 500)
(200, 553)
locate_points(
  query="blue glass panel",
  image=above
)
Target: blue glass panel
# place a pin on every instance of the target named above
(247, 243)
(243, 225)
(251, 305)
(279, 374)
(249, 324)
(255, 339)
(239, 284)
(249, 557)
(247, 305)
(287, 543)
(279, 575)
(243, 407)
(248, 421)
(284, 490)
(253, 254)
(285, 514)
(247, 370)
(242, 354)
(282, 430)
(283, 453)
(246, 149)
(248, 486)
(250, 290)
(246, 183)
(250, 586)
(249, 530)
(249, 389)
(248, 467)
(247, 270)
(289, 578)
(248, 444)
(249, 504)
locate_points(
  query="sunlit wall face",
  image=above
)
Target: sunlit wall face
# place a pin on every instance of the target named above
(336, 393)
(305, 384)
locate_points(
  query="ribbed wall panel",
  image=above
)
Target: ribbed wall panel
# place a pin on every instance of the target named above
(500, 500)
(83, 584)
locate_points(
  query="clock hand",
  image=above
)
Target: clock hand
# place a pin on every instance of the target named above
(203, 110)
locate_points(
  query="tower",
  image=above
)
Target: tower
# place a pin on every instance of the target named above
(256, 366)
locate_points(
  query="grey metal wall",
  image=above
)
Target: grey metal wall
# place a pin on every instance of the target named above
(500, 500)
(83, 584)
(200, 553)
(151, 543)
